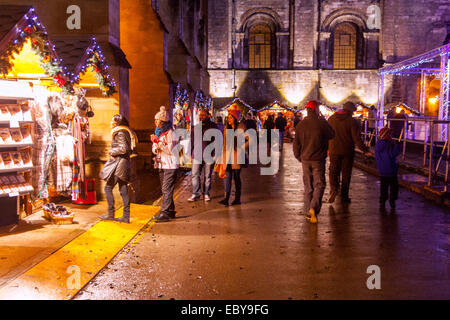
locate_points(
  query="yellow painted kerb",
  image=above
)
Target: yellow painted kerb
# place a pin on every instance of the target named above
(65, 272)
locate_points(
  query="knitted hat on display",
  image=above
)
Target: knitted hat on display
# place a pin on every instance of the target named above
(349, 106)
(385, 133)
(162, 115)
(312, 105)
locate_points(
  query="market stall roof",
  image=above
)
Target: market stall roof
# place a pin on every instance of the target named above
(10, 15)
(17, 25)
(240, 104)
(85, 55)
(333, 109)
(20, 27)
(276, 105)
(74, 52)
(394, 105)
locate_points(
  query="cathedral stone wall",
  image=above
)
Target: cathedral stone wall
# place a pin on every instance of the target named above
(303, 67)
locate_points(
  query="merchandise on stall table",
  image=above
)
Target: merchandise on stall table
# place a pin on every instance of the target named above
(26, 134)
(5, 136)
(26, 112)
(5, 184)
(16, 136)
(17, 159)
(7, 161)
(4, 113)
(14, 184)
(16, 115)
(26, 158)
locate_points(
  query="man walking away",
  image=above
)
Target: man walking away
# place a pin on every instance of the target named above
(342, 150)
(198, 163)
(250, 123)
(310, 148)
(280, 124)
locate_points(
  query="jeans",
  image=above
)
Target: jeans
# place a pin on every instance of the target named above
(230, 175)
(341, 164)
(388, 184)
(123, 189)
(314, 184)
(196, 175)
(281, 133)
(168, 177)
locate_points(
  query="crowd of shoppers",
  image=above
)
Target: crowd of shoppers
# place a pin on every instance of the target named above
(315, 139)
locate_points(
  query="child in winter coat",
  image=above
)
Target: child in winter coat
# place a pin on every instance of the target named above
(386, 153)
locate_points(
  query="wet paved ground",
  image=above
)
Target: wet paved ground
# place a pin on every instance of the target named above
(265, 249)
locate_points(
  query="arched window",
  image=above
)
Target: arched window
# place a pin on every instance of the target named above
(259, 47)
(344, 53)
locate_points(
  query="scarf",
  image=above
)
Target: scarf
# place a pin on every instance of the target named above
(160, 130)
(134, 139)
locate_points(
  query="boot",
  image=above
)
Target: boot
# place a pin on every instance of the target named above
(392, 203)
(125, 218)
(382, 206)
(225, 201)
(109, 216)
(236, 201)
(311, 217)
(332, 197)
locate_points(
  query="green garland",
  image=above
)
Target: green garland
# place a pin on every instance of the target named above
(101, 76)
(40, 46)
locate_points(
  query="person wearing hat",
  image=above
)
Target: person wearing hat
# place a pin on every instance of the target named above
(166, 162)
(310, 147)
(342, 150)
(117, 168)
(230, 158)
(386, 153)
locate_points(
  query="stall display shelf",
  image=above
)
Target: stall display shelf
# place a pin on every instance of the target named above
(23, 169)
(8, 123)
(17, 131)
(15, 145)
(15, 194)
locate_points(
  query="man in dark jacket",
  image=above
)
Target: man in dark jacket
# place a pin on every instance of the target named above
(269, 125)
(117, 169)
(280, 124)
(250, 123)
(198, 163)
(342, 150)
(310, 148)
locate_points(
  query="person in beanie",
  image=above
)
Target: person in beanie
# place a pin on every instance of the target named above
(166, 162)
(230, 158)
(342, 150)
(310, 148)
(117, 168)
(386, 153)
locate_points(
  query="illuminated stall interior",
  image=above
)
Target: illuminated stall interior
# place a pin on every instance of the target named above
(86, 61)
(239, 104)
(30, 71)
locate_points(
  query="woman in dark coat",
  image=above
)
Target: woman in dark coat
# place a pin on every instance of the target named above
(117, 169)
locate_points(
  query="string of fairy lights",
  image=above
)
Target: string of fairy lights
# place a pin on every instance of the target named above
(182, 99)
(30, 28)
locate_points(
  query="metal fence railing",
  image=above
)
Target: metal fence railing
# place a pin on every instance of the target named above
(427, 132)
